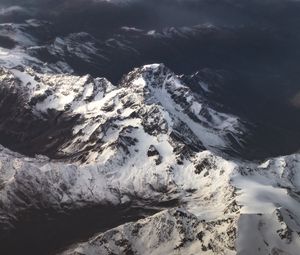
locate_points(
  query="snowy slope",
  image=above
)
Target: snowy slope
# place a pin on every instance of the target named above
(20, 42)
(261, 215)
(226, 207)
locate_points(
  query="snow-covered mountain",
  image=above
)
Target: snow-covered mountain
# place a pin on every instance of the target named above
(148, 142)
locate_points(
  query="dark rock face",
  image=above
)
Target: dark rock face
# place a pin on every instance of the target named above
(206, 164)
(152, 152)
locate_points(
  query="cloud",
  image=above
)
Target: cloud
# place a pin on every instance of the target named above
(13, 13)
(12, 10)
(155, 14)
(295, 100)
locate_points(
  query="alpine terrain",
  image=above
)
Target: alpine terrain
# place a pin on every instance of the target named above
(131, 140)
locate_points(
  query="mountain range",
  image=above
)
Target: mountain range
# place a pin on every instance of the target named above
(147, 141)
